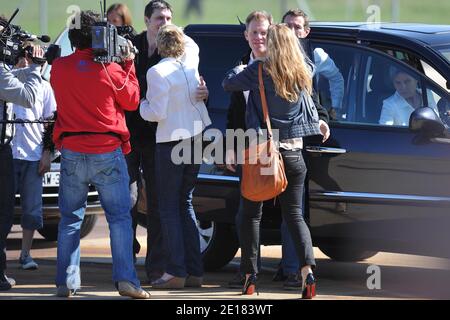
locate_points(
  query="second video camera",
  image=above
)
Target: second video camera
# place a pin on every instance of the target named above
(110, 43)
(13, 44)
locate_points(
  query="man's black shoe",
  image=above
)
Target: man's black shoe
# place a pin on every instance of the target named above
(237, 282)
(6, 283)
(279, 276)
(293, 282)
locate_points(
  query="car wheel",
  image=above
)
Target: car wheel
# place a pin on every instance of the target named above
(50, 230)
(218, 243)
(347, 254)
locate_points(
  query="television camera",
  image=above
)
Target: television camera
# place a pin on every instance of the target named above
(111, 43)
(14, 40)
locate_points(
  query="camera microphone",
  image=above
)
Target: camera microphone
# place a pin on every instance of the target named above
(45, 38)
(31, 37)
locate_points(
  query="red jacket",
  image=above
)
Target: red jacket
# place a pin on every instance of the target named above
(87, 102)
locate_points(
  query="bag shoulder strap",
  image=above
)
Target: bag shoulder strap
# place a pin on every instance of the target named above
(263, 100)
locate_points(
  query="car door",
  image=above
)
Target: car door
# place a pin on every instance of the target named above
(379, 186)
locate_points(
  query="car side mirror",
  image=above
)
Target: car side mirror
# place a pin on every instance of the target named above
(427, 122)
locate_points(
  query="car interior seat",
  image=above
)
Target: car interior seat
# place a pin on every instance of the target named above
(381, 87)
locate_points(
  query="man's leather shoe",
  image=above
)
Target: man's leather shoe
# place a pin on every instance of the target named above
(64, 292)
(193, 282)
(237, 282)
(127, 289)
(6, 283)
(293, 282)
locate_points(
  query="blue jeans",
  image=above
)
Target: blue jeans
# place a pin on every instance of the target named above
(29, 186)
(108, 173)
(176, 183)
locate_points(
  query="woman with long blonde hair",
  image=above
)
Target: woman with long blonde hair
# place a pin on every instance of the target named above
(288, 87)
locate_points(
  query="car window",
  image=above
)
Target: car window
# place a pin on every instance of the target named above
(379, 89)
(335, 70)
(217, 56)
(445, 51)
(391, 91)
(434, 75)
(442, 102)
(416, 62)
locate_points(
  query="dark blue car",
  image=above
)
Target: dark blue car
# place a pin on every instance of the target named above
(381, 182)
(378, 184)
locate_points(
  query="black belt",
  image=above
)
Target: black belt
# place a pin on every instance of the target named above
(175, 142)
(82, 133)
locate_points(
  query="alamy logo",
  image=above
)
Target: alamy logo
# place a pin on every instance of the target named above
(238, 140)
(74, 20)
(374, 281)
(374, 16)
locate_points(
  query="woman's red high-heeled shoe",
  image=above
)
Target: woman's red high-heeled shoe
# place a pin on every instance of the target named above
(250, 285)
(309, 289)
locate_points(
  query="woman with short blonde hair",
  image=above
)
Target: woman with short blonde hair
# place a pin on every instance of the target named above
(171, 102)
(170, 41)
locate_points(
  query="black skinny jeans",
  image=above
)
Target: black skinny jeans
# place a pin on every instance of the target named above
(291, 210)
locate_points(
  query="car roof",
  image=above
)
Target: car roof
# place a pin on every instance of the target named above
(429, 34)
(417, 32)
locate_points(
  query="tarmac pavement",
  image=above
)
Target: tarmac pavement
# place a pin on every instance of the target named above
(401, 276)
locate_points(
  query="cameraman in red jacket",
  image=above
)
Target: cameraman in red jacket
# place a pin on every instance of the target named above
(92, 135)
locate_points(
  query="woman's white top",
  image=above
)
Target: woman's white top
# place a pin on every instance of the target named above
(171, 101)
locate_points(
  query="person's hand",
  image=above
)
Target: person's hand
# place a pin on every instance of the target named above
(128, 51)
(202, 92)
(230, 160)
(37, 56)
(324, 129)
(38, 52)
(44, 164)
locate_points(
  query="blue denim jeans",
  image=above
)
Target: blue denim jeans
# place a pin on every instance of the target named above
(6, 200)
(29, 186)
(108, 173)
(176, 183)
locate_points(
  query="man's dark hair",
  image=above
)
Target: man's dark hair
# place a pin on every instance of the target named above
(156, 5)
(80, 35)
(297, 13)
